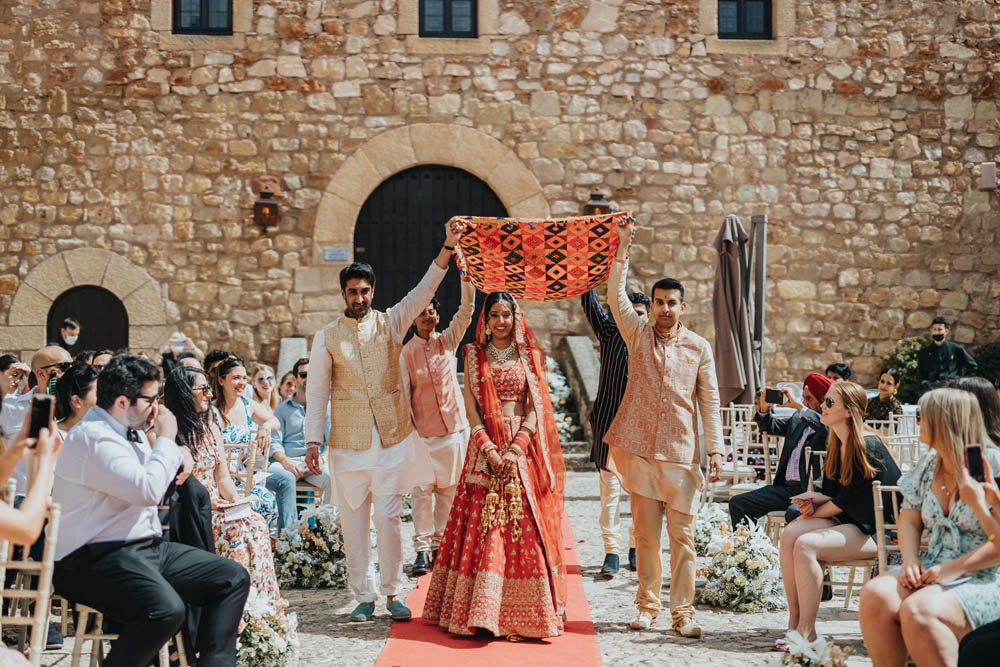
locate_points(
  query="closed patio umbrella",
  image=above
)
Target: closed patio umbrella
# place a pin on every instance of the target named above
(734, 363)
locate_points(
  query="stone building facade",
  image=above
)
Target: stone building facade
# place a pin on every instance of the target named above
(126, 153)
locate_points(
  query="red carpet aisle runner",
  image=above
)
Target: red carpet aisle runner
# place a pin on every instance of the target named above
(422, 642)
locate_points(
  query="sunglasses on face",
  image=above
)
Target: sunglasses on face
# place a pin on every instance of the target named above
(303, 374)
(828, 402)
(62, 366)
(267, 380)
(205, 388)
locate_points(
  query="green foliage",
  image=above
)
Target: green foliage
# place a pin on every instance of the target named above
(988, 357)
(903, 357)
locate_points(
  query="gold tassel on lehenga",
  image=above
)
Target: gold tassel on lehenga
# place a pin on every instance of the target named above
(502, 506)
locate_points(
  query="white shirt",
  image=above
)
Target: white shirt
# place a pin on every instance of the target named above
(15, 406)
(109, 488)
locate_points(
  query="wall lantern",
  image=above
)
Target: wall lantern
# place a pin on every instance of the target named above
(265, 209)
(597, 205)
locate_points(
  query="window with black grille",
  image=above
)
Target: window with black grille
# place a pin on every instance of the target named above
(203, 17)
(744, 19)
(448, 18)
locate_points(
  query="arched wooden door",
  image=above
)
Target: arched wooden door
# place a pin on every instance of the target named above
(401, 228)
(102, 317)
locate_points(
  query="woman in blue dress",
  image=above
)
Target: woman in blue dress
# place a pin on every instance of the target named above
(237, 416)
(933, 601)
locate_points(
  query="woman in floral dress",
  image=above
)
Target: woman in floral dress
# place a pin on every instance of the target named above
(237, 417)
(188, 395)
(939, 595)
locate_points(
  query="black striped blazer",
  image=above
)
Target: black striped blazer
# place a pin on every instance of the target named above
(614, 375)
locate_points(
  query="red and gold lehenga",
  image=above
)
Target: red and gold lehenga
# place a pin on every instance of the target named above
(499, 581)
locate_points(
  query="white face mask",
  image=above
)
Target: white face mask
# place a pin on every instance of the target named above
(71, 340)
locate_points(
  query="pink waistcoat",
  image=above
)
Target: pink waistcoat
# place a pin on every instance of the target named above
(435, 397)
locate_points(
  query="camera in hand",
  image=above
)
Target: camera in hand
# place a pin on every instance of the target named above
(974, 462)
(774, 397)
(41, 414)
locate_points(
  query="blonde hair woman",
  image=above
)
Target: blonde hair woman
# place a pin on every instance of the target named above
(935, 600)
(838, 523)
(265, 391)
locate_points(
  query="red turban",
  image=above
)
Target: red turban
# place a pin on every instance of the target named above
(817, 385)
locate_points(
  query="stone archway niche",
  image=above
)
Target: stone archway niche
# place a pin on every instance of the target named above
(23, 329)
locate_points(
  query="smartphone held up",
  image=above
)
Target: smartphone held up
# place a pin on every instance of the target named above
(42, 411)
(974, 462)
(774, 397)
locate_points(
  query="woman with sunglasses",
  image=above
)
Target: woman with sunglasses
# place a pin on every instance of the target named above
(264, 390)
(12, 374)
(938, 596)
(838, 523)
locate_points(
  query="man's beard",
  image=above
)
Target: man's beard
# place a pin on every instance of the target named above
(360, 311)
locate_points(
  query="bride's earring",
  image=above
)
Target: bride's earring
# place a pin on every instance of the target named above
(487, 330)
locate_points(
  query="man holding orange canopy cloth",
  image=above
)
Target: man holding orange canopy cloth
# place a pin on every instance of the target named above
(654, 438)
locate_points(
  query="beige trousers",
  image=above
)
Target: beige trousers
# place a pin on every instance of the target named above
(610, 518)
(647, 517)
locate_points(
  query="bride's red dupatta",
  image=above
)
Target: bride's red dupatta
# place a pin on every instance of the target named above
(543, 473)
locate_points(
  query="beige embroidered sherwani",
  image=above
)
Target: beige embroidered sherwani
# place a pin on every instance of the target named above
(654, 444)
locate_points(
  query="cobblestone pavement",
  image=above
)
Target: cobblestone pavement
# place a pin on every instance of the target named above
(327, 638)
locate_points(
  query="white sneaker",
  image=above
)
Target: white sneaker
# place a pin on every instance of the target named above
(688, 629)
(643, 620)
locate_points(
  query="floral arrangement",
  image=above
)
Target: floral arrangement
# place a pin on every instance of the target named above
(269, 637)
(563, 405)
(311, 553)
(712, 522)
(744, 574)
(407, 515)
(819, 653)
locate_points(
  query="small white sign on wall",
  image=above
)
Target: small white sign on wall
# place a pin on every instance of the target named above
(335, 254)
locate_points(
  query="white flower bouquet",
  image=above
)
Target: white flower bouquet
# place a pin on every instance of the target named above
(819, 653)
(311, 554)
(269, 637)
(744, 574)
(712, 522)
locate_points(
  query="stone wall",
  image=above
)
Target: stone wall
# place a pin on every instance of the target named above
(858, 131)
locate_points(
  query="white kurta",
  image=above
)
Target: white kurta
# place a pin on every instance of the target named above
(378, 470)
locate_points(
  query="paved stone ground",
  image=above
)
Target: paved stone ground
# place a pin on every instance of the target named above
(328, 639)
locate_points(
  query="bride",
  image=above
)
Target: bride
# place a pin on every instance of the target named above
(500, 564)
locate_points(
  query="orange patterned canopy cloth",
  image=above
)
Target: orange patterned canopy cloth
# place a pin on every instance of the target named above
(539, 260)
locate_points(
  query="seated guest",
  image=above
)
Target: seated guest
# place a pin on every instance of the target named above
(109, 554)
(101, 359)
(936, 598)
(838, 523)
(287, 386)
(12, 374)
(288, 446)
(264, 390)
(188, 396)
(236, 416)
(838, 371)
(980, 647)
(76, 393)
(886, 404)
(989, 403)
(802, 429)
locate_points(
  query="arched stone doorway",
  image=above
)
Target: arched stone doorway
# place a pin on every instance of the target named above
(24, 330)
(102, 317)
(401, 227)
